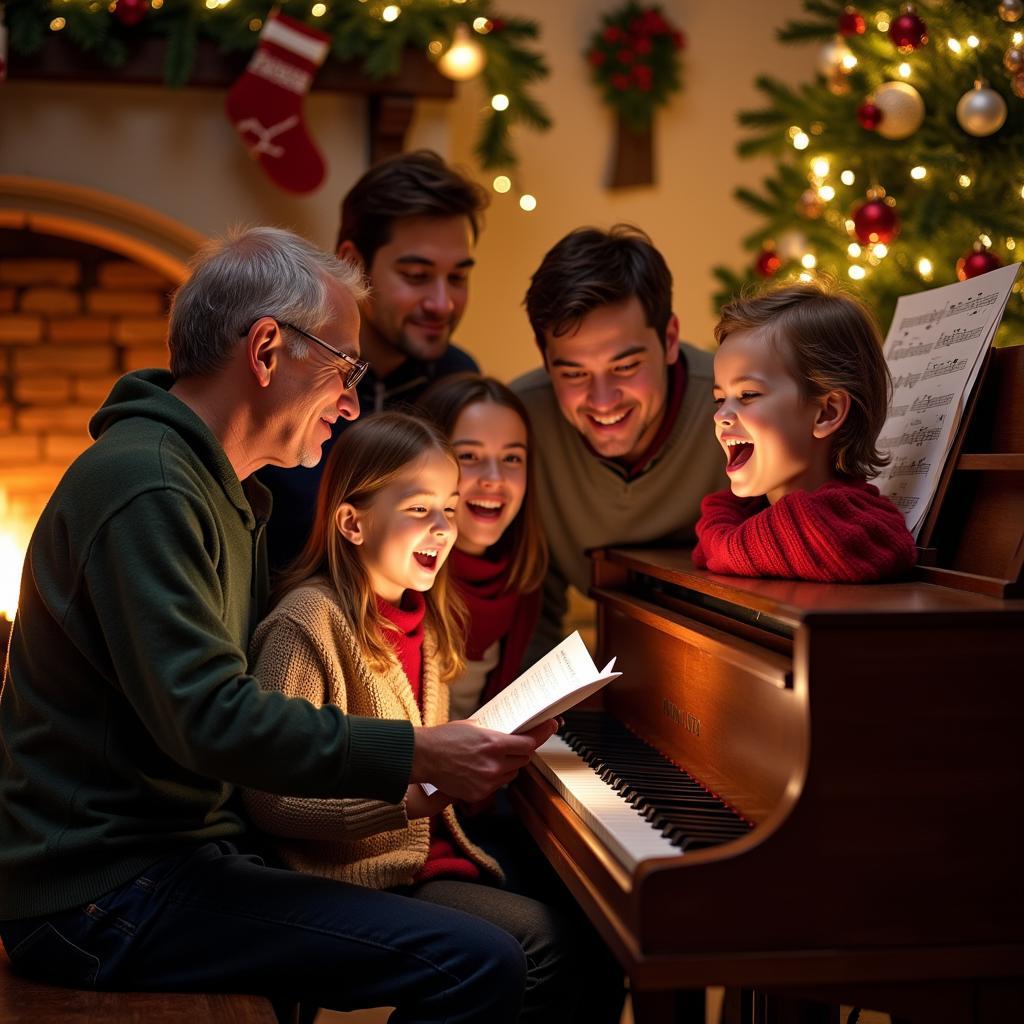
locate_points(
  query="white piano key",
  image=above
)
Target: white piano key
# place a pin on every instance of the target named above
(626, 834)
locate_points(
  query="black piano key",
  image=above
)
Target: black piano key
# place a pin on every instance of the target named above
(687, 813)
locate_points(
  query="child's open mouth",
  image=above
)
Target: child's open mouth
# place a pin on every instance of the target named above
(483, 509)
(739, 453)
(428, 559)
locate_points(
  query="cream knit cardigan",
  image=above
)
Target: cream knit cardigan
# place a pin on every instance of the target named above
(306, 648)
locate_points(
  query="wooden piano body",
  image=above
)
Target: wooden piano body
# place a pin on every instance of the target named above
(874, 735)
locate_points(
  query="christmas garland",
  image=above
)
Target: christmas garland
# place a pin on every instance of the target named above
(375, 32)
(634, 58)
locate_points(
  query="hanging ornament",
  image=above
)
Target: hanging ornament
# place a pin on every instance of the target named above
(976, 262)
(131, 12)
(1017, 85)
(810, 204)
(908, 31)
(836, 56)
(464, 59)
(1013, 60)
(851, 22)
(875, 221)
(902, 109)
(981, 111)
(1011, 10)
(791, 244)
(767, 263)
(869, 116)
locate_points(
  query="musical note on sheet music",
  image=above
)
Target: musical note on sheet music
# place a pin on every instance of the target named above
(934, 348)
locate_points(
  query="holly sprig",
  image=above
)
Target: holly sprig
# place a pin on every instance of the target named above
(635, 60)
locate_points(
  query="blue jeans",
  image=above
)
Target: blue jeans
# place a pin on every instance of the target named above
(214, 919)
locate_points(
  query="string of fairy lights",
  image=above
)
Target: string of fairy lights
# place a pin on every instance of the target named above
(462, 58)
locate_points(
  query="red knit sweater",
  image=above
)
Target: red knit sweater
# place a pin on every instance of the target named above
(843, 532)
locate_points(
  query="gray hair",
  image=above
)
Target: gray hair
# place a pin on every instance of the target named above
(252, 272)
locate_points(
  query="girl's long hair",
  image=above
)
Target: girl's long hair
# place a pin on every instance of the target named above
(367, 457)
(443, 402)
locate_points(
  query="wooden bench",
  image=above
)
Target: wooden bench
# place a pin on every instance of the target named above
(30, 1002)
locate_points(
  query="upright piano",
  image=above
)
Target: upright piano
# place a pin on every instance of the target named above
(811, 787)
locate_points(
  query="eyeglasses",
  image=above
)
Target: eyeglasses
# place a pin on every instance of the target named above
(356, 368)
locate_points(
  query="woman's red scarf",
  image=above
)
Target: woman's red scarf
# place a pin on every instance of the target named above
(495, 613)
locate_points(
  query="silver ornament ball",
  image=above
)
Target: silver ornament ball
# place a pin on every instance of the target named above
(981, 111)
(902, 110)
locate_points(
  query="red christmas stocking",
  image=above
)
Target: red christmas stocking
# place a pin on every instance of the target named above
(265, 104)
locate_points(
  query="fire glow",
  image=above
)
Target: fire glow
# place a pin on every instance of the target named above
(13, 543)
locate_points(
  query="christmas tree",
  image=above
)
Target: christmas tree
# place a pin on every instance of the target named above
(901, 167)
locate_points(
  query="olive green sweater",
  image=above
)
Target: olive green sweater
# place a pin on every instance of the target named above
(128, 713)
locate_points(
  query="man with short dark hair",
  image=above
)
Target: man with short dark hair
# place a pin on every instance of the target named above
(128, 713)
(410, 223)
(622, 409)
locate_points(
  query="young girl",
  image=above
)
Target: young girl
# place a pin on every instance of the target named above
(500, 555)
(802, 391)
(366, 619)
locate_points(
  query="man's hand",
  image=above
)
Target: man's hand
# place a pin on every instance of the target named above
(469, 762)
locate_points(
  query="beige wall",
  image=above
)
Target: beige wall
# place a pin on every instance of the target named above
(174, 151)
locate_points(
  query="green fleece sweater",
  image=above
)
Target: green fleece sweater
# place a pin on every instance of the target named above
(127, 714)
(587, 502)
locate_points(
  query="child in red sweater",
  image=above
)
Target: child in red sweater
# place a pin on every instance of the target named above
(802, 391)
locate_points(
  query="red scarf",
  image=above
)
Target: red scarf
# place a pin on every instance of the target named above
(443, 860)
(407, 643)
(495, 613)
(843, 532)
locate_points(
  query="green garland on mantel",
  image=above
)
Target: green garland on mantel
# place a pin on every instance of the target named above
(357, 29)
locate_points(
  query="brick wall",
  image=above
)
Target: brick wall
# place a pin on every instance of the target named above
(73, 317)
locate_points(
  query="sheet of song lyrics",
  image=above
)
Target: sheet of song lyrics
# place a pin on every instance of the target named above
(935, 349)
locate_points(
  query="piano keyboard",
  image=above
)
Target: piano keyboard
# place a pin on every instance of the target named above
(637, 802)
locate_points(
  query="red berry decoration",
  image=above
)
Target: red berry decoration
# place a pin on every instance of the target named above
(131, 12)
(875, 221)
(977, 261)
(851, 22)
(869, 116)
(908, 31)
(767, 263)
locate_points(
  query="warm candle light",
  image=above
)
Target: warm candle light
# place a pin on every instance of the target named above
(13, 542)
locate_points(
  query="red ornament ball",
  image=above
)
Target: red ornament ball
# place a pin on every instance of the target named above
(977, 261)
(767, 263)
(908, 31)
(875, 221)
(131, 12)
(869, 116)
(851, 22)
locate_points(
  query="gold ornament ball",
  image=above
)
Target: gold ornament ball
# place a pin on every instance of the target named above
(791, 244)
(981, 111)
(1011, 10)
(464, 59)
(902, 110)
(1013, 60)
(1017, 84)
(832, 55)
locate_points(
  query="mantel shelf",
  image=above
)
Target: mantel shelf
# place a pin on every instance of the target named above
(391, 100)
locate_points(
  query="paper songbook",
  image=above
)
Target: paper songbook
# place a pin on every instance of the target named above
(559, 681)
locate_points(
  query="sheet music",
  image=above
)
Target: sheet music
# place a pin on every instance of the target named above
(935, 348)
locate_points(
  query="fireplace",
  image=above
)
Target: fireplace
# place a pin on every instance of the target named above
(84, 294)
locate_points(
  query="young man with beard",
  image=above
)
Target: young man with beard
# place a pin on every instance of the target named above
(622, 409)
(410, 223)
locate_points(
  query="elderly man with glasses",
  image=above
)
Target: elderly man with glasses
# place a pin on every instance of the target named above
(128, 715)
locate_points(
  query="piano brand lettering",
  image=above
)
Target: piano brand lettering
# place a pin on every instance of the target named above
(690, 722)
